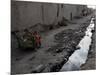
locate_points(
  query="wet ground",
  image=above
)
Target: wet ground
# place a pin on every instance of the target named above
(91, 59)
(57, 46)
(79, 56)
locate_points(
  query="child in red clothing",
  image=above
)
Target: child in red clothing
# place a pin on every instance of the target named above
(37, 39)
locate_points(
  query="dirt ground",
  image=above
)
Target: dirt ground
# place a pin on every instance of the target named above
(57, 46)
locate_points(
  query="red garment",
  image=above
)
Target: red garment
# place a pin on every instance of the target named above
(37, 40)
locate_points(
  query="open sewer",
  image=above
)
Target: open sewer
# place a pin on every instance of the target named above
(80, 55)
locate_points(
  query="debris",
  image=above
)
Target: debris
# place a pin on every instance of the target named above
(38, 69)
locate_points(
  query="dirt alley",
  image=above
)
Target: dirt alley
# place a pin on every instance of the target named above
(57, 46)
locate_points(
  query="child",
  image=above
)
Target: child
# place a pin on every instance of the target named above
(37, 39)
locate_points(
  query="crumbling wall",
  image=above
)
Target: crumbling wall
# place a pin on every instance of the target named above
(68, 10)
(28, 14)
(50, 13)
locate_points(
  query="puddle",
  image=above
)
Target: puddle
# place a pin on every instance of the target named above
(79, 56)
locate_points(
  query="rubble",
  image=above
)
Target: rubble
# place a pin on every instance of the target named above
(38, 69)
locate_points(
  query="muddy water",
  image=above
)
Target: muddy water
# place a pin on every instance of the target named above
(79, 56)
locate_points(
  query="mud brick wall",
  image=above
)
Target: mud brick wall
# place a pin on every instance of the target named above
(27, 14)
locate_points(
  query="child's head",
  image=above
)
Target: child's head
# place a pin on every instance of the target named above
(35, 32)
